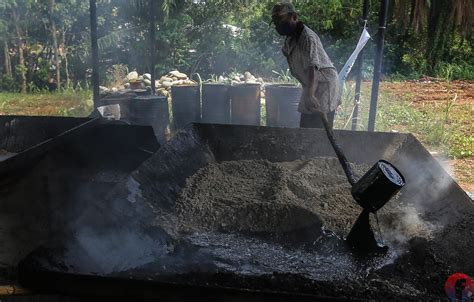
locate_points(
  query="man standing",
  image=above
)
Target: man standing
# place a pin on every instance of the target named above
(310, 65)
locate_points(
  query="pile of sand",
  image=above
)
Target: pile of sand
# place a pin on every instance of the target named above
(261, 196)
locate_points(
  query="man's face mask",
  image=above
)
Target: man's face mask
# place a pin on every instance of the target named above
(285, 28)
(283, 24)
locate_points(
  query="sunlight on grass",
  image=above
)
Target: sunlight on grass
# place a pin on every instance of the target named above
(444, 126)
(66, 103)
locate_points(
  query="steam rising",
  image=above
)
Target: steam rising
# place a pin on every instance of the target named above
(417, 215)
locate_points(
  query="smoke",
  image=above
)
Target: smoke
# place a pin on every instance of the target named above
(106, 234)
(115, 250)
(423, 206)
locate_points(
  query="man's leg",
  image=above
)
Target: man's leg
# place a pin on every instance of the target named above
(314, 120)
(331, 116)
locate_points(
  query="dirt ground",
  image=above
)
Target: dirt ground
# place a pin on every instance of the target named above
(428, 90)
(428, 93)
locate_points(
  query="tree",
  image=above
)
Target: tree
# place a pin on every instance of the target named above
(438, 20)
(57, 60)
(4, 38)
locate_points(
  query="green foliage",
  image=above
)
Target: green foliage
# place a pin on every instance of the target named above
(285, 77)
(7, 83)
(217, 36)
(462, 146)
(455, 71)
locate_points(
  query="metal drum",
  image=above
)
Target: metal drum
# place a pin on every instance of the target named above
(151, 111)
(215, 103)
(281, 102)
(245, 104)
(186, 105)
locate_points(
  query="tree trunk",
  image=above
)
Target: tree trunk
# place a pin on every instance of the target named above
(55, 43)
(8, 63)
(438, 35)
(66, 63)
(20, 44)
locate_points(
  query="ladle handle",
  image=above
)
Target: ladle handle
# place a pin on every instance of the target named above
(340, 155)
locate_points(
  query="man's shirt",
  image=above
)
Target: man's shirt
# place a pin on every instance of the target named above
(304, 51)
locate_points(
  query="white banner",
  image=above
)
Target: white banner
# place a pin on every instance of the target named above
(348, 66)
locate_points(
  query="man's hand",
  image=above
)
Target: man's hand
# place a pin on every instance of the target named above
(315, 106)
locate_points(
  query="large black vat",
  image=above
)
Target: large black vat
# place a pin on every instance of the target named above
(215, 103)
(151, 111)
(245, 104)
(186, 105)
(281, 103)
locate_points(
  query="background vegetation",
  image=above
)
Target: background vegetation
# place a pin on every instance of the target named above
(45, 44)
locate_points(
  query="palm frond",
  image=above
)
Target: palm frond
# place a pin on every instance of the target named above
(167, 6)
(113, 38)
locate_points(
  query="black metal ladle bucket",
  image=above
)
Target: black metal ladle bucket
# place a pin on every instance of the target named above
(372, 191)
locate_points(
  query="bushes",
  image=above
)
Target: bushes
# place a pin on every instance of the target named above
(455, 71)
(9, 84)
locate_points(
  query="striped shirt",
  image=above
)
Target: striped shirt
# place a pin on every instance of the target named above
(304, 52)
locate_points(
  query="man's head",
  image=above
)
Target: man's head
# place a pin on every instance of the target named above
(285, 18)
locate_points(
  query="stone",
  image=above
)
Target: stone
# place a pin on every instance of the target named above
(166, 84)
(181, 76)
(147, 76)
(174, 73)
(166, 79)
(248, 76)
(103, 89)
(132, 76)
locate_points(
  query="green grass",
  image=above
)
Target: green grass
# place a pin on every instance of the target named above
(442, 127)
(65, 103)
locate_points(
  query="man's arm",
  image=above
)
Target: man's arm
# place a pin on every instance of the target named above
(312, 83)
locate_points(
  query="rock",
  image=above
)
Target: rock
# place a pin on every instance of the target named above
(236, 78)
(114, 89)
(175, 83)
(174, 73)
(166, 84)
(140, 78)
(103, 89)
(181, 76)
(248, 76)
(126, 85)
(147, 82)
(167, 79)
(157, 84)
(147, 76)
(132, 75)
(174, 79)
(221, 79)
